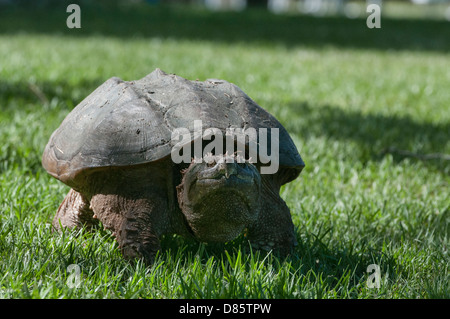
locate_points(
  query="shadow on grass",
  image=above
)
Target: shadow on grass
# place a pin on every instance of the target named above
(317, 267)
(376, 134)
(254, 25)
(24, 102)
(42, 93)
(313, 263)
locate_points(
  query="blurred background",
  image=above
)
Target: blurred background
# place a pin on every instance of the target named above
(437, 9)
(251, 19)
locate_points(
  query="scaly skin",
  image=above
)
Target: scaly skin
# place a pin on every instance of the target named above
(134, 204)
(214, 202)
(220, 199)
(273, 230)
(74, 212)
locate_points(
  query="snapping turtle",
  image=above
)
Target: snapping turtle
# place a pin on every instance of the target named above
(115, 150)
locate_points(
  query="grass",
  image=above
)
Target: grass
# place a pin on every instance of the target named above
(350, 97)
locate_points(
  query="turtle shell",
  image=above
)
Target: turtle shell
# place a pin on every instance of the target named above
(124, 123)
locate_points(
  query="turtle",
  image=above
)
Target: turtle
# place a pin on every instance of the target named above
(115, 151)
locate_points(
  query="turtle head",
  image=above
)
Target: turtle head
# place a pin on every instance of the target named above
(219, 196)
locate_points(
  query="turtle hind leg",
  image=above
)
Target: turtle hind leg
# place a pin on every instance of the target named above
(273, 230)
(74, 213)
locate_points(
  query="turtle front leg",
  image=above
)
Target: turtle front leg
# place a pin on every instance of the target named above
(135, 222)
(273, 230)
(74, 212)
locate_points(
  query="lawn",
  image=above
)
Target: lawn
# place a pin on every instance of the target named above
(367, 109)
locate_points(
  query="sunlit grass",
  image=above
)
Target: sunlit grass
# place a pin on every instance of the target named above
(355, 204)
